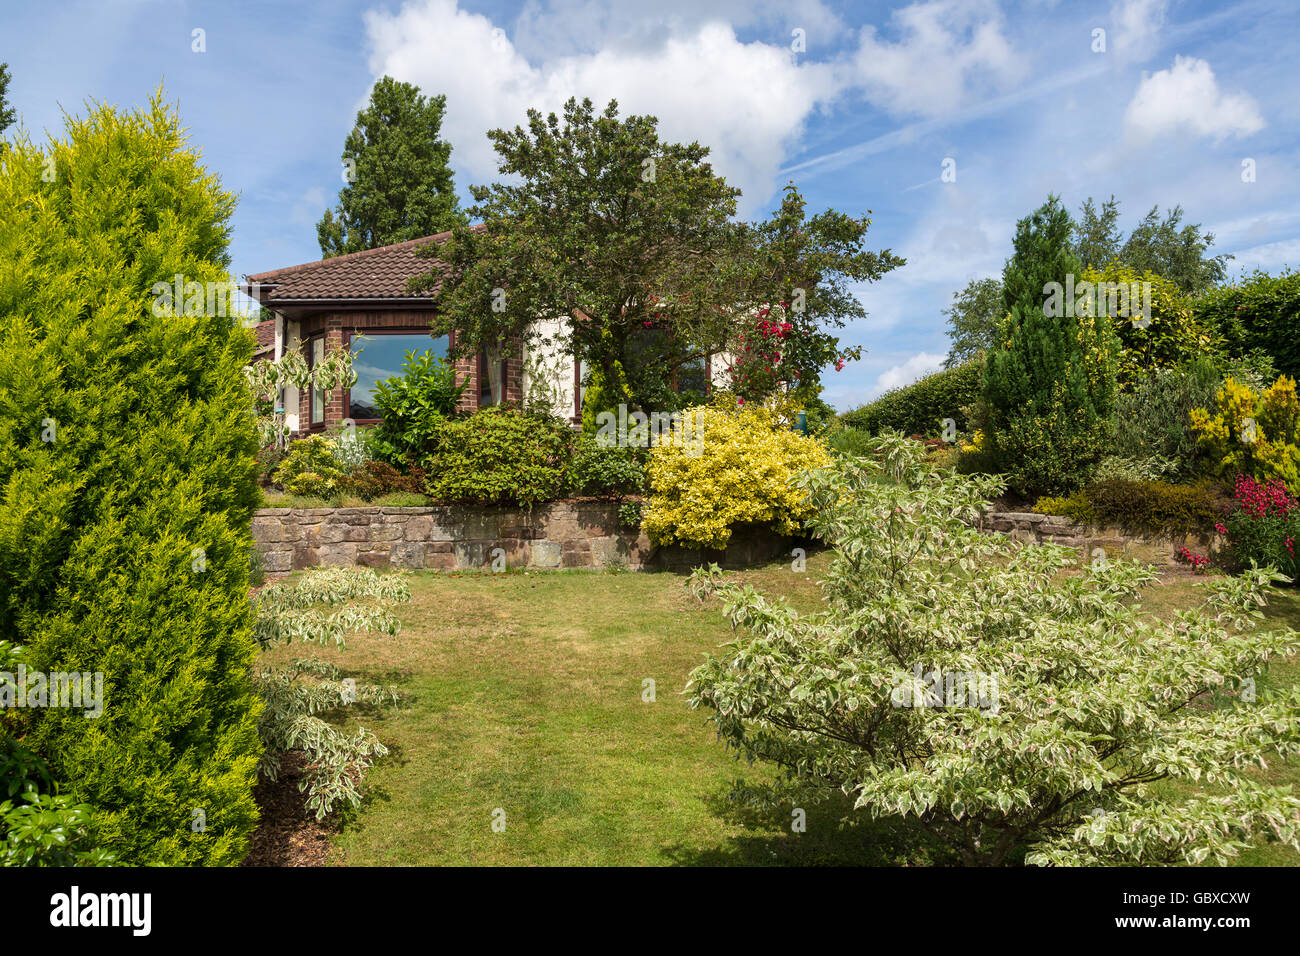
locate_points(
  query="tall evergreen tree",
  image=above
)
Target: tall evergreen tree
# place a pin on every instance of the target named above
(400, 185)
(7, 114)
(1050, 383)
(128, 483)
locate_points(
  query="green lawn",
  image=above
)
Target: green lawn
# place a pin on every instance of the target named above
(524, 693)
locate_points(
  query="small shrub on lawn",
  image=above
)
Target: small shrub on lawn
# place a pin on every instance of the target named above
(501, 455)
(310, 469)
(741, 476)
(849, 441)
(959, 683)
(322, 608)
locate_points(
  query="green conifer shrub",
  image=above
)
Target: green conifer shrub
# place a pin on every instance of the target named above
(128, 481)
(1050, 383)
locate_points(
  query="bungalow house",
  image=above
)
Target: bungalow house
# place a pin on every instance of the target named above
(359, 301)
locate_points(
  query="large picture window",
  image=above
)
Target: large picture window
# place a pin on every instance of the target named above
(377, 355)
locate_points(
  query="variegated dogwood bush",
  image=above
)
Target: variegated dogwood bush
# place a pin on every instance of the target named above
(1064, 726)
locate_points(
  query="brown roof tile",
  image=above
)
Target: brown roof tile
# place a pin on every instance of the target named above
(380, 273)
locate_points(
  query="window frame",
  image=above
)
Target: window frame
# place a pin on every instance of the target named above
(349, 332)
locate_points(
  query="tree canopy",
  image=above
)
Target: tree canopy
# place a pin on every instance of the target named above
(632, 241)
(399, 182)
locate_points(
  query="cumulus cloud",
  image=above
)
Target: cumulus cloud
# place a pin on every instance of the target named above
(747, 101)
(1187, 98)
(918, 366)
(946, 52)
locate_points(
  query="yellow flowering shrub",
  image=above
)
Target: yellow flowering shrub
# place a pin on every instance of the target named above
(1251, 433)
(739, 473)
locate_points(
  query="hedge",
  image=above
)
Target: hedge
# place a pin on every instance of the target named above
(1261, 312)
(920, 408)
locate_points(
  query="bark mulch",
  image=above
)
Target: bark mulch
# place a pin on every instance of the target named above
(289, 834)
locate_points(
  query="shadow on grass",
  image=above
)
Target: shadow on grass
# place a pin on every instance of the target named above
(826, 841)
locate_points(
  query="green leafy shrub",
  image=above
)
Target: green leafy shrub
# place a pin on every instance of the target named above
(1153, 419)
(920, 408)
(605, 470)
(1261, 312)
(850, 441)
(129, 483)
(414, 406)
(375, 479)
(957, 683)
(310, 469)
(501, 455)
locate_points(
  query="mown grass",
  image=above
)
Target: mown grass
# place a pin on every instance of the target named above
(523, 693)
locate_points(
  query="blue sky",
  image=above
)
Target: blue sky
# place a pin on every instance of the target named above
(863, 117)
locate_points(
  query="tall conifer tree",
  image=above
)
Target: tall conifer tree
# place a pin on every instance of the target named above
(1050, 382)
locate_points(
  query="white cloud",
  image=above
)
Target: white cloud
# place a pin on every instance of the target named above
(946, 50)
(1136, 24)
(1187, 98)
(1269, 257)
(747, 101)
(918, 366)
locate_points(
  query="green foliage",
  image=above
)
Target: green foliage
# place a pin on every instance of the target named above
(1262, 529)
(1167, 337)
(725, 468)
(1050, 383)
(1153, 419)
(128, 483)
(1152, 506)
(666, 280)
(310, 468)
(1060, 708)
(501, 455)
(1155, 245)
(403, 183)
(7, 114)
(1259, 312)
(849, 440)
(414, 406)
(973, 320)
(604, 469)
(920, 408)
(322, 608)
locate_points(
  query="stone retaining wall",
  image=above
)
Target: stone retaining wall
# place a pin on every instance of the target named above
(1115, 542)
(562, 534)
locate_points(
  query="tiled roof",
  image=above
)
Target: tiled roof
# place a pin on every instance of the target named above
(380, 273)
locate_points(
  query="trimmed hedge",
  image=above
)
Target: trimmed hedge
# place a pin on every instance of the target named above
(1261, 312)
(920, 408)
